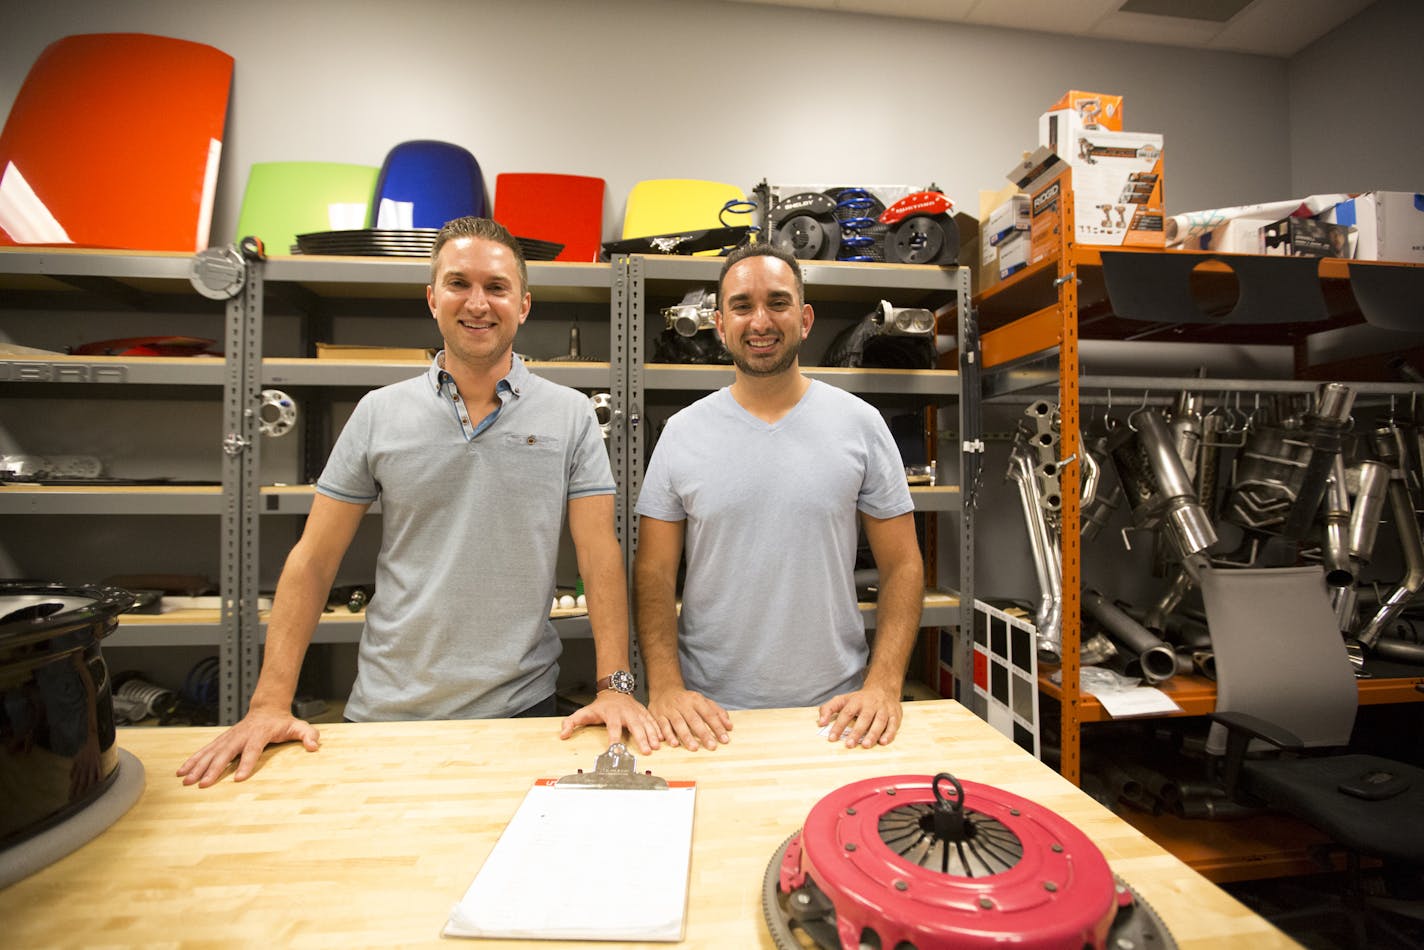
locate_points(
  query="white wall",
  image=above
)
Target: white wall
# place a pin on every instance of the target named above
(633, 89)
(1354, 110)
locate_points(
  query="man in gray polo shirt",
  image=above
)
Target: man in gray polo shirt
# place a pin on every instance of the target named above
(765, 482)
(474, 463)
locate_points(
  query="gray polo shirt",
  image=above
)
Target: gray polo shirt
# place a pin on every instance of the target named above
(471, 517)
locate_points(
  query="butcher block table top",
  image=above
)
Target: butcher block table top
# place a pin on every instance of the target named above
(372, 840)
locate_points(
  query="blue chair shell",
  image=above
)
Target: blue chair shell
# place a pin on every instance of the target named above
(425, 183)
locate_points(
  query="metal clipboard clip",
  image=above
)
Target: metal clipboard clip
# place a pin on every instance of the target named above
(613, 769)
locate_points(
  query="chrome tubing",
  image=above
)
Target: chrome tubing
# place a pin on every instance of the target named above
(1366, 512)
(1156, 619)
(1157, 660)
(1191, 527)
(1047, 559)
(1410, 544)
(1325, 427)
(1335, 549)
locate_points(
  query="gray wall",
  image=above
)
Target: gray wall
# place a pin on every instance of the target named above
(633, 89)
(1354, 111)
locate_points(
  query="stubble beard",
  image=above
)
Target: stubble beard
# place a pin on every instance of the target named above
(784, 363)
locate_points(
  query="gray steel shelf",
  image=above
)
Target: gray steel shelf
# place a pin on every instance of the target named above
(133, 632)
(941, 609)
(897, 382)
(936, 497)
(372, 373)
(380, 277)
(823, 279)
(65, 262)
(150, 371)
(340, 627)
(134, 500)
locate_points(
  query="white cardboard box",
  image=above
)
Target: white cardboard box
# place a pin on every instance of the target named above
(1389, 225)
(1117, 187)
(1007, 218)
(1013, 253)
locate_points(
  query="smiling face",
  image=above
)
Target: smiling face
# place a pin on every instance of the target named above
(761, 317)
(478, 301)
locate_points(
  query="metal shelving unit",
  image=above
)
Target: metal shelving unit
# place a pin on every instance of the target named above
(312, 288)
(99, 287)
(1035, 321)
(668, 277)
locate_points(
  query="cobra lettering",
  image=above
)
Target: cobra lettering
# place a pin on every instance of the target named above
(15, 372)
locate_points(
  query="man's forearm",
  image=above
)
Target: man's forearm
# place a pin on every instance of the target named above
(296, 610)
(656, 606)
(606, 588)
(897, 627)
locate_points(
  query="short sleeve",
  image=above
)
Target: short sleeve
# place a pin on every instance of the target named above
(658, 499)
(590, 472)
(885, 492)
(347, 475)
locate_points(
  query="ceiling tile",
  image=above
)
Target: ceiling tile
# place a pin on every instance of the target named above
(1049, 16)
(1143, 28)
(1284, 27)
(953, 11)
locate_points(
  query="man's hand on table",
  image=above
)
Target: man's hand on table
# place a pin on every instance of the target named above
(690, 720)
(866, 717)
(258, 729)
(618, 711)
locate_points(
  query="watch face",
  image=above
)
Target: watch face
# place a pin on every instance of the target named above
(622, 681)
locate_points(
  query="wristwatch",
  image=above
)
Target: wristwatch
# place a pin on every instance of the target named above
(620, 681)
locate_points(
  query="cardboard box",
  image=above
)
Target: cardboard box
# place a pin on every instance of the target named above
(1095, 110)
(1305, 237)
(1117, 188)
(333, 351)
(987, 273)
(1013, 253)
(1389, 225)
(1007, 219)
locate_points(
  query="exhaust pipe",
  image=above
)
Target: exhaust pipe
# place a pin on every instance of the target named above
(1410, 544)
(1047, 560)
(1190, 527)
(1325, 427)
(1157, 660)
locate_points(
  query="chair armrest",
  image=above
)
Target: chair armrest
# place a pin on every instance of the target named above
(1241, 728)
(1254, 727)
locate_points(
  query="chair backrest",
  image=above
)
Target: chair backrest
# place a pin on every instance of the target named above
(113, 141)
(425, 183)
(565, 209)
(284, 199)
(675, 205)
(1279, 654)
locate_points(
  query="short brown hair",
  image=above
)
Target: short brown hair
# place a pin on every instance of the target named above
(485, 229)
(761, 249)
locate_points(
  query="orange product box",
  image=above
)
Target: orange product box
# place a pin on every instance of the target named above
(1095, 110)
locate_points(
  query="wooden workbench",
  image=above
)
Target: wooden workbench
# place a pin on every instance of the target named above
(372, 840)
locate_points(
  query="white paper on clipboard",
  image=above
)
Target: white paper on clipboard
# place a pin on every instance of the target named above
(585, 863)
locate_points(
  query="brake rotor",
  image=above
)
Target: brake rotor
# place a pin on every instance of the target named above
(806, 225)
(923, 239)
(899, 863)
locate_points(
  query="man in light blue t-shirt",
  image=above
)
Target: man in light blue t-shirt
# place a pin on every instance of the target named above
(763, 486)
(475, 464)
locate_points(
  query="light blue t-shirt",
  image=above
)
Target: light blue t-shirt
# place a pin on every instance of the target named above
(471, 518)
(769, 615)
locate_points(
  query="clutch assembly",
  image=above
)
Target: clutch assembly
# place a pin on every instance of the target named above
(916, 862)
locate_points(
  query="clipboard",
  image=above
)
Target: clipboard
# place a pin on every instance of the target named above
(601, 855)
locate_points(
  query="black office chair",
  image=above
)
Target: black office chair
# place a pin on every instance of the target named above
(1285, 708)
